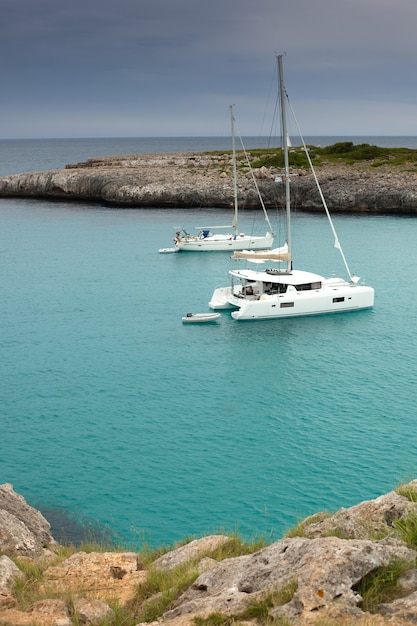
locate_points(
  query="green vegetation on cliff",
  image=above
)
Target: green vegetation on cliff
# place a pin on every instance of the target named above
(345, 152)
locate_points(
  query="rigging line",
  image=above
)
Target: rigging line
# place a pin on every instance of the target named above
(267, 106)
(256, 185)
(337, 244)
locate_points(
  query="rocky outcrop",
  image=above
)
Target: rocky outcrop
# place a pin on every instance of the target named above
(23, 530)
(9, 573)
(325, 572)
(195, 549)
(372, 518)
(316, 574)
(204, 180)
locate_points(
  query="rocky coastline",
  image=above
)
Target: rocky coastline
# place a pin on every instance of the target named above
(317, 574)
(184, 180)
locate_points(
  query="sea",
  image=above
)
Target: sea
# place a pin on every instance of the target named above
(117, 418)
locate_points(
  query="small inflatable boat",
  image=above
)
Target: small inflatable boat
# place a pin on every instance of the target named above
(199, 318)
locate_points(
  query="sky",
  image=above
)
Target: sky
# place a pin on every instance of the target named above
(167, 68)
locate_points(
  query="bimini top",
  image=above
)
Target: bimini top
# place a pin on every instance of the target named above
(284, 277)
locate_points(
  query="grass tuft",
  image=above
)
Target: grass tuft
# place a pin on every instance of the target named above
(235, 547)
(407, 492)
(26, 590)
(299, 530)
(157, 593)
(380, 585)
(406, 529)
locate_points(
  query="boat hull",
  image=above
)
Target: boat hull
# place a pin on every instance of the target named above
(327, 300)
(224, 243)
(275, 293)
(220, 300)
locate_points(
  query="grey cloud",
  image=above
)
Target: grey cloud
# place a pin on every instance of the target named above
(137, 57)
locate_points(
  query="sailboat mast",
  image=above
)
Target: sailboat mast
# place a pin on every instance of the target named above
(286, 159)
(235, 222)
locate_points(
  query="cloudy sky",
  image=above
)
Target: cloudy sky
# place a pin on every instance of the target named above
(131, 68)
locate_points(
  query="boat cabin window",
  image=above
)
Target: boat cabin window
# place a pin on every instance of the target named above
(338, 299)
(286, 305)
(271, 288)
(249, 288)
(308, 286)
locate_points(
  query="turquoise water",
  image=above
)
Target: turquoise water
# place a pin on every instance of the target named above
(111, 409)
(114, 410)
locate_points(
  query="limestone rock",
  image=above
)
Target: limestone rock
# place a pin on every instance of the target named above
(23, 529)
(371, 518)
(9, 572)
(92, 612)
(196, 548)
(184, 180)
(205, 564)
(403, 608)
(96, 575)
(325, 571)
(319, 571)
(45, 612)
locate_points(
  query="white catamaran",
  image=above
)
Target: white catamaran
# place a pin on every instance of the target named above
(287, 292)
(208, 241)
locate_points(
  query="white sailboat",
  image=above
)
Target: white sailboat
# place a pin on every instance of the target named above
(287, 292)
(208, 240)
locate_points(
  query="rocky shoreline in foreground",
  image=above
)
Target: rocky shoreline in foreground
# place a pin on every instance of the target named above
(185, 180)
(355, 567)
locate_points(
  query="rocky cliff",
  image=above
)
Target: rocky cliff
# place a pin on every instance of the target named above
(204, 180)
(357, 566)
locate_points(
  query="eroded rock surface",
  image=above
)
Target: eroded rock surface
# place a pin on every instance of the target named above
(325, 570)
(371, 518)
(23, 529)
(98, 575)
(320, 569)
(195, 549)
(184, 180)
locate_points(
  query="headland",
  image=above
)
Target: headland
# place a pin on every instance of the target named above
(184, 180)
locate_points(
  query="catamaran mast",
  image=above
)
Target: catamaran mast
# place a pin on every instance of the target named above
(286, 159)
(235, 222)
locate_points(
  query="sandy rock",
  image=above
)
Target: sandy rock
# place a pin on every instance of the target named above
(98, 575)
(92, 612)
(45, 612)
(6, 599)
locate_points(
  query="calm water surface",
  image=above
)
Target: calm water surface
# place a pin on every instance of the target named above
(114, 410)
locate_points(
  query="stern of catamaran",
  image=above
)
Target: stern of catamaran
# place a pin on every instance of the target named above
(220, 299)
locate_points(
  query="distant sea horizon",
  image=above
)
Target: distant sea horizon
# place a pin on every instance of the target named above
(24, 155)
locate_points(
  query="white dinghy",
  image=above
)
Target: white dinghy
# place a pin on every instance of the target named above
(200, 318)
